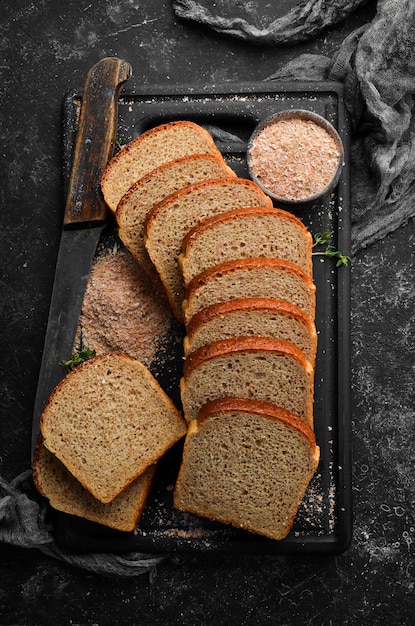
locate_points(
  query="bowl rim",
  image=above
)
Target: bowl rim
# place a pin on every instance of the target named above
(300, 114)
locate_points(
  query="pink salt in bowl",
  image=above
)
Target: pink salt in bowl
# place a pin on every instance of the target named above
(296, 157)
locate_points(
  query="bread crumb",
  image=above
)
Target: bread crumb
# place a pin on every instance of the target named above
(121, 311)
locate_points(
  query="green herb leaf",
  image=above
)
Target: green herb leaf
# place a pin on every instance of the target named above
(119, 143)
(330, 251)
(321, 238)
(78, 358)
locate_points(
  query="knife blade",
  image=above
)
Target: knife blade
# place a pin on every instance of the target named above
(83, 222)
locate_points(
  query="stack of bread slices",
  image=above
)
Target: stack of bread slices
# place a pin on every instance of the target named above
(248, 381)
(237, 273)
(103, 430)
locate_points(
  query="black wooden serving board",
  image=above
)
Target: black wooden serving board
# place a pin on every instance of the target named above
(324, 521)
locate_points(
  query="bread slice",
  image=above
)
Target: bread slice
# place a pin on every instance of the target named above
(149, 150)
(252, 317)
(107, 421)
(244, 233)
(66, 494)
(250, 278)
(248, 464)
(152, 189)
(262, 368)
(169, 222)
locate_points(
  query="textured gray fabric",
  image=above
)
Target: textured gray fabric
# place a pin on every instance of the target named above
(377, 66)
(267, 22)
(23, 523)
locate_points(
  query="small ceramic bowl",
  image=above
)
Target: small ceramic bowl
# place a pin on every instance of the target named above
(296, 157)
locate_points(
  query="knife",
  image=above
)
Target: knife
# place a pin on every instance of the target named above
(83, 222)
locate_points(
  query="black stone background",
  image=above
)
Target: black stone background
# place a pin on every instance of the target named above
(47, 47)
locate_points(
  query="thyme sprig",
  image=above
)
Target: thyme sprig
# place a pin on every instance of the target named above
(78, 358)
(119, 143)
(329, 251)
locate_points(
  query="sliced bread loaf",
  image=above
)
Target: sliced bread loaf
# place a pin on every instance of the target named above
(169, 222)
(248, 464)
(107, 421)
(152, 189)
(66, 494)
(262, 368)
(252, 317)
(152, 148)
(250, 278)
(243, 233)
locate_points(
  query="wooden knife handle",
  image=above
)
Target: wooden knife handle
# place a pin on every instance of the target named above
(95, 140)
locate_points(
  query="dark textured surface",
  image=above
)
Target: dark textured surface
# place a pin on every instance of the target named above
(47, 48)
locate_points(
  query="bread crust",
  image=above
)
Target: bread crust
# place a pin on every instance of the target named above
(248, 304)
(238, 344)
(264, 409)
(250, 263)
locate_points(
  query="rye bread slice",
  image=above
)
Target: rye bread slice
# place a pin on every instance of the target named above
(153, 188)
(107, 421)
(248, 464)
(149, 150)
(261, 368)
(65, 493)
(169, 221)
(242, 233)
(249, 317)
(250, 278)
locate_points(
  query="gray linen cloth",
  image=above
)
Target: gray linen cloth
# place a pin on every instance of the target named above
(267, 22)
(377, 65)
(23, 523)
